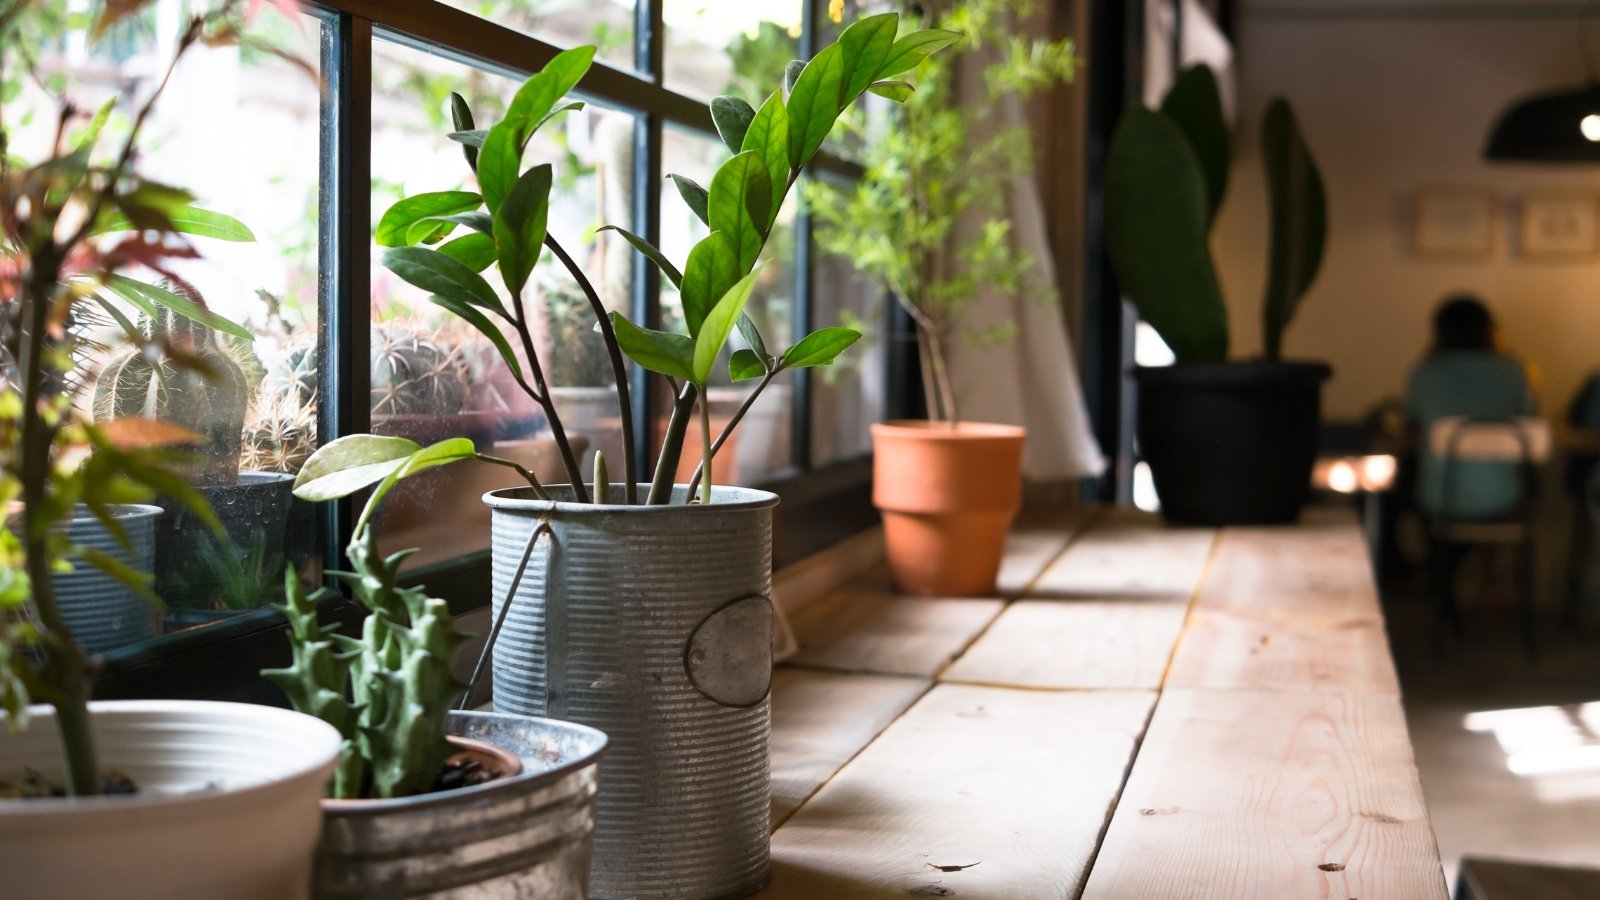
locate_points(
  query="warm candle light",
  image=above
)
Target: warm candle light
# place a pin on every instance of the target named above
(1590, 126)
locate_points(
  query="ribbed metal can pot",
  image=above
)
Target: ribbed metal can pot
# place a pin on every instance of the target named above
(654, 625)
(528, 835)
(101, 612)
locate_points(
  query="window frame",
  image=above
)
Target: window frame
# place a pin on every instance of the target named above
(821, 504)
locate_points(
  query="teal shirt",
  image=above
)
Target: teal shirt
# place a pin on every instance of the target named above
(1467, 383)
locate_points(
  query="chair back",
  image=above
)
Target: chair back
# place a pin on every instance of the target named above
(1520, 439)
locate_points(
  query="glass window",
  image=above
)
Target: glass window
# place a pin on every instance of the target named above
(849, 395)
(252, 157)
(433, 376)
(760, 447)
(738, 47)
(607, 24)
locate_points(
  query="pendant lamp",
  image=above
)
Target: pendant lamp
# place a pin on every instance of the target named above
(1555, 126)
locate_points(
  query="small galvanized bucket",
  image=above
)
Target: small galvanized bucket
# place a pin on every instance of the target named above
(102, 614)
(524, 836)
(653, 624)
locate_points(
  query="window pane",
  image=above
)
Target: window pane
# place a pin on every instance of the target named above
(432, 375)
(253, 155)
(738, 47)
(760, 447)
(849, 395)
(607, 24)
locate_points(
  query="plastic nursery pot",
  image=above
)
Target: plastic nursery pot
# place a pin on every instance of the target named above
(1231, 443)
(653, 624)
(228, 804)
(948, 495)
(527, 834)
(101, 612)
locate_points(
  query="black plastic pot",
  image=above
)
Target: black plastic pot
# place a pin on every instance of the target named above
(1231, 443)
(255, 515)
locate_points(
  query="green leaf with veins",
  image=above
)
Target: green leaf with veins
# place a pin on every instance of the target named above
(732, 117)
(741, 198)
(651, 253)
(695, 195)
(819, 348)
(712, 269)
(395, 228)
(719, 324)
(666, 352)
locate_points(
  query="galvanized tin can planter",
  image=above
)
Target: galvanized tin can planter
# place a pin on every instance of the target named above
(101, 612)
(653, 624)
(528, 835)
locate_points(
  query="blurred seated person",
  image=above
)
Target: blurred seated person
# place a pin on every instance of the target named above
(1466, 374)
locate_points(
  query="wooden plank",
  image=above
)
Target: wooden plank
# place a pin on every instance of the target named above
(1036, 539)
(822, 719)
(1122, 643)
(1271, 794)
(1318, 570)
(1266, 652)
(868, 628)
(1015, 785)
(1126, 553)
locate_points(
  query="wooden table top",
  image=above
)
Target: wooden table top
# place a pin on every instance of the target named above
(1144, 712)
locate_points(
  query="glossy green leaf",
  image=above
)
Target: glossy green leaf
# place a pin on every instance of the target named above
(912, 49)
(475, 251)
(791, 74)
(443, 453)
(819, 348)
(732, 117)
(185, 219)
(752, 336)
(472, 139)
(461, 118)
(693, 194)
(146, 297)
(814, 105)
(898, 91)
(651, 253)
(744, 365)
(344, 466)
(477, 220)
(538, 95)
(487, 328)
(768, 135)
(500, 162)
(394, 228)
(713, 267)
(865, 47)
(665, 352)
(519, 228)
(741, 203)
(719, 325)
(439, 274)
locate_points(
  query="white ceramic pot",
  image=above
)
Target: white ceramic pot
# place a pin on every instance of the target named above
(228, 805)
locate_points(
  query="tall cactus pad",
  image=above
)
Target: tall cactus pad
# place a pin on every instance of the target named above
(209, 394)
(1157, 231)
(1194, 104)
(1299, 210)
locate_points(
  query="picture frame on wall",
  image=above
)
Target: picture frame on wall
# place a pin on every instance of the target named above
(1453, 222)
(1559, 224)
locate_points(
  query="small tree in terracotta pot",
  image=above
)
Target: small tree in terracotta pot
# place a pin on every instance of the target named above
(927, 221)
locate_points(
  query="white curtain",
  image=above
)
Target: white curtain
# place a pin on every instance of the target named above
(1033, 380)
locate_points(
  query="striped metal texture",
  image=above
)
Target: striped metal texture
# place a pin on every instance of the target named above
(100, 611)
(603, 631)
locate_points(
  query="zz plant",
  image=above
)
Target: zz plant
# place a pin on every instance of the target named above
(506, 221)
(1166, 173)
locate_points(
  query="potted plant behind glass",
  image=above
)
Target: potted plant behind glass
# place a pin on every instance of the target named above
(649, 613)
(1228, 443)
(208, 778)
(425, 800)
(948, 488)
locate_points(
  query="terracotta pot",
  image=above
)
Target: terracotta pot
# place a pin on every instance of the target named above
(948, 496)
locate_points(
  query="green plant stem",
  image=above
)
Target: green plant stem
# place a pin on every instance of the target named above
(64, 659)
(541, 396)
(705, 449)
(533, 481)
(619, 370)
(727, 431)
(672, 447)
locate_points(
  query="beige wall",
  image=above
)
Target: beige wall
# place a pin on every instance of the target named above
(1397, 95)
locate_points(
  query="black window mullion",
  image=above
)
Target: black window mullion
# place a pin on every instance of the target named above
(344, 263)
(801, 314)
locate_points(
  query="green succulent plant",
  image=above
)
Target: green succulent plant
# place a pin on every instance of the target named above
(205, 389)
(1166, 174)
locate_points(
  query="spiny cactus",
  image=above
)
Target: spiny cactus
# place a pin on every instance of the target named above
(400, 685)
(210, 397)
(412, 375)
(281, 432)
(293, 373)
